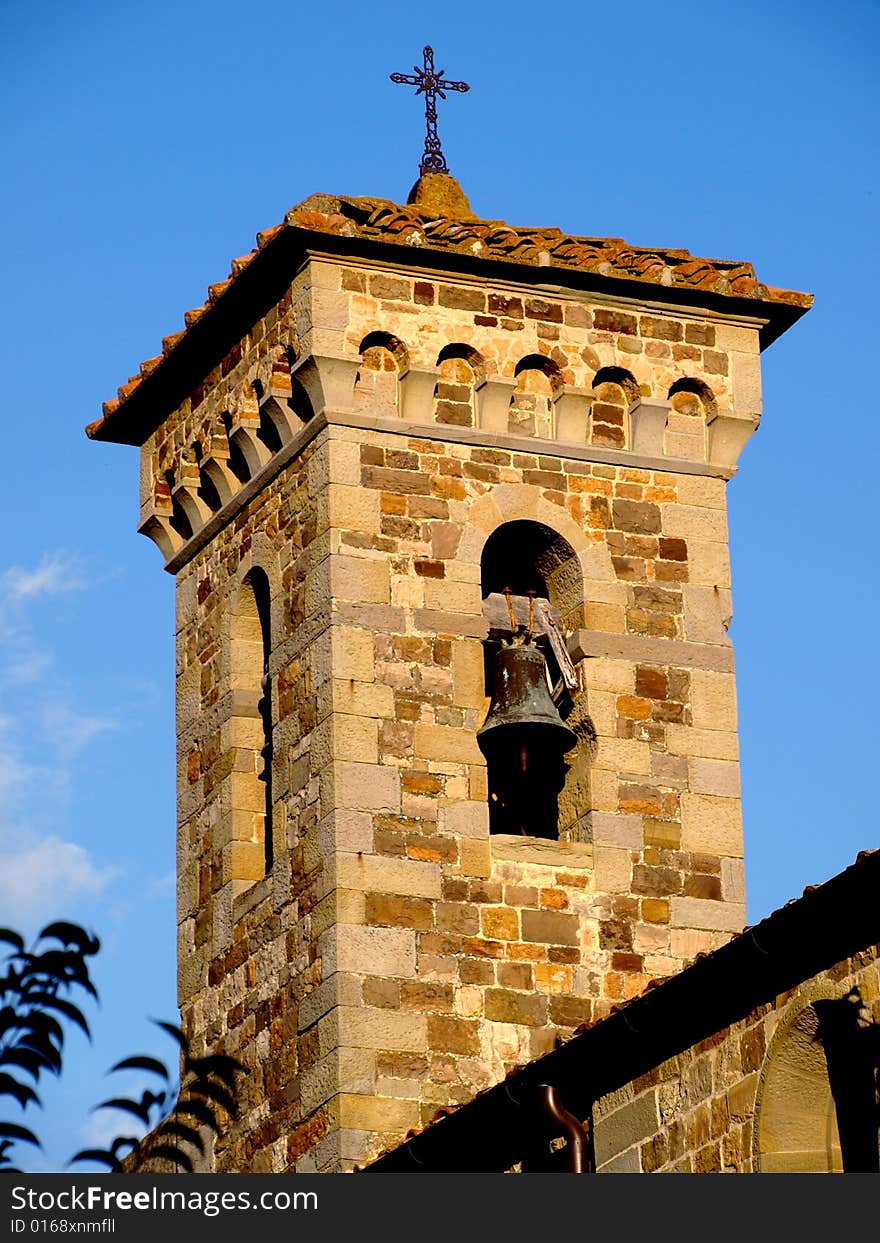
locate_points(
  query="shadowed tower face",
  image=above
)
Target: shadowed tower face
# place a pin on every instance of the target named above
(397, 440)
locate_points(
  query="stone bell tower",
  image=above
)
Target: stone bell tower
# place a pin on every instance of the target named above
(396, 439)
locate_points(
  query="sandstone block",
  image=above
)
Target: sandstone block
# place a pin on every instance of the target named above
(622, 1128)
(465, 819)
(720, 777)
(613, 870)
(457, 597)
(442, 742)
(713, 700)
(615, 829)
(359, 578)
(624, 755)
(345, 462)
(553, 978)
(706, 914)
(712, 744)
(468, 683)
(745, 376)
(476, 859)
(356, 698)
(377, 1113)
(385, 952)
(500, 923)
(361, 787)
(691, 522)
(351, 653)
(549, 928)
(528, 1009)
(385, 874)
(733, 880)
(711, 825)
(243, 861)
(366, 1027)
(350, 507)
(703, 491)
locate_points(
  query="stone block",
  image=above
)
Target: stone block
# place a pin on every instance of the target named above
(243, 861)
(351, 653)
(613, 870)
(622, 1128)
(711, 825)
(465, 819)
(367, 1027)
(387, 874)
(378, 1113)
(713, 700)
(615, 829)
(603, 674)
(712, 744)
(550, 928)
(475, 856)
(350, 507)
(708, 563)
(703, 491)
(500, 923)
(528, 1009)
(443, 742)
(459, 597)
(468, 682)
(745, 378)
(345, 462)
(367, 699)
(693, 522)
(733, 880)
(361, 787)
(708, 915)
(707, 614)
(719, 777)
(370, 950)
(741, 1099)
(624, 755)
(360, 579)
(355, 738)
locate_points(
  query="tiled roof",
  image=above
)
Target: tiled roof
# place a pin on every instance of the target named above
(411, 227)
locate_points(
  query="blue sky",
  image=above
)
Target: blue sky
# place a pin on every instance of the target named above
(145, 145)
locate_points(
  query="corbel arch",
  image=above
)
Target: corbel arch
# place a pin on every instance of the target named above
(384, 359)
(538, 381)
(615, 389)
(461, 370)
(693, 406)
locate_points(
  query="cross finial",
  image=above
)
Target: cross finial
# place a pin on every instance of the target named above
(430, 83)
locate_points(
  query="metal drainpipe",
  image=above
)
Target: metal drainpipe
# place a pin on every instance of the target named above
(578, 1141)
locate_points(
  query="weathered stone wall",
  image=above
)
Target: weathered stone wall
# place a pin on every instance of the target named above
(712, 1110)
(398, 959)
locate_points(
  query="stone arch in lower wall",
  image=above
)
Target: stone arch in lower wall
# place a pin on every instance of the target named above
(795, 1130)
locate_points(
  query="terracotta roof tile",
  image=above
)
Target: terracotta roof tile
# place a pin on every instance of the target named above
(383, 221)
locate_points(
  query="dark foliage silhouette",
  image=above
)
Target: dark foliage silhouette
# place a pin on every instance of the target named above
(41, 991)
(206, 1093)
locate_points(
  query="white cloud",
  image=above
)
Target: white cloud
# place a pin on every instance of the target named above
(69, 731)
(27, 666)
(55, 573)
(42, 880)
(13, 774)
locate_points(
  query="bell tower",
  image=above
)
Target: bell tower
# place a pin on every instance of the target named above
(405, 463)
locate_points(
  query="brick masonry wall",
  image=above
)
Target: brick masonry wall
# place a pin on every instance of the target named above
(398, 959)
(698, 1112)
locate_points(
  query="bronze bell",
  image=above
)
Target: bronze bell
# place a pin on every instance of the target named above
(523, 739)
(520, 697)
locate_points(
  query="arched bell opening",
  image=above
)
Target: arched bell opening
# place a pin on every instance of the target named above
(537, 753)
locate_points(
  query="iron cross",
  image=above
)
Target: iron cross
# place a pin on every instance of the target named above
(430, 83)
